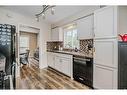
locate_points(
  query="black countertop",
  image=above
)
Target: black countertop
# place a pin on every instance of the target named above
(81, 54)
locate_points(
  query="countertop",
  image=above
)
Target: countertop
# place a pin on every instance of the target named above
(72, 53)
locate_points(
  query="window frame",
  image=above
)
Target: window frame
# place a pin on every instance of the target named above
(28, 42)
(73, 26)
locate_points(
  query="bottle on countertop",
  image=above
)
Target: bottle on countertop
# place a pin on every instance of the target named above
(60, 48)
(76, 49)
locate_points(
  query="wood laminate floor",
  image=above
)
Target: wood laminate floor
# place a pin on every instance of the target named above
(31, 77)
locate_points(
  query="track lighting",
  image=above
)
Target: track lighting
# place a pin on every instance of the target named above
(44, 9)
(52, 11)
(43, 15)
(37, 19)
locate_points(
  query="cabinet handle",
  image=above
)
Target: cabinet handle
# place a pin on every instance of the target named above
(94, 49)
(81, 78)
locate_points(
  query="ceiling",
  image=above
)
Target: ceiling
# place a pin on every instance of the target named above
(61, 12)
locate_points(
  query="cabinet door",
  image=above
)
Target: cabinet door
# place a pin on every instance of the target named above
(58, 63)
(50, 59)
(85, 27)
(66, 66)
(105, 22)
(55, 34)
(104, 78)
(106, 52)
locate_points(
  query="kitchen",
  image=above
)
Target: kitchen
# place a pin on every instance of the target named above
(82, 50)
(98, 61)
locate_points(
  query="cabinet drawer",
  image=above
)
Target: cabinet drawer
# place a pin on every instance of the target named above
(64, 55)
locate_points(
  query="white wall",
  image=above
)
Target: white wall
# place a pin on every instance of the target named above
(9, 17)
(122, 20)
(29, 29)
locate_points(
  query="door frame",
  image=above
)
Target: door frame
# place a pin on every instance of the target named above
(18, 38)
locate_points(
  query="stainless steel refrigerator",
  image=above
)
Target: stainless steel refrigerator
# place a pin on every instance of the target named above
(7, 55)
(122, 65)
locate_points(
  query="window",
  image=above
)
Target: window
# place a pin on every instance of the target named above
(70, 37)
(24, 43)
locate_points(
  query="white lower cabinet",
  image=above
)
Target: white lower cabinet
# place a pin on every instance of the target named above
(105, 64)
(58, 65)
(66, 66)
(50, 59)
(104, 77)
(61, 62)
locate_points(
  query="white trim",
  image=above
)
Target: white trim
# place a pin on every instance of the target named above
(11, 81)
(40, 50)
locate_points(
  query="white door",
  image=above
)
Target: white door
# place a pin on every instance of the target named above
(50, 59)
(106, 52)
(85, 27)
(66, 66)
(105, 24)
(104, 78)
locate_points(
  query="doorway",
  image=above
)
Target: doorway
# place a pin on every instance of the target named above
(28, 45)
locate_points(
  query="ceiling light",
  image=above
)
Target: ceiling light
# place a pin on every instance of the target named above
(43, 15)
(52, 11)
(37, 19)
(44, 9)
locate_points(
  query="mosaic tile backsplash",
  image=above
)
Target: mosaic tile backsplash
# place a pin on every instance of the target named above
(54, 45)
(86, 46)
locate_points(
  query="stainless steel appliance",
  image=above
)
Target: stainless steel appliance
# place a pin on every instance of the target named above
(83, 70)
(2, 62)
(122, 65)
(7, 52)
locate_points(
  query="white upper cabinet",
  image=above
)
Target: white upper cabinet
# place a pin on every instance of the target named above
(85, 27)
(56, 34)
(105, 22)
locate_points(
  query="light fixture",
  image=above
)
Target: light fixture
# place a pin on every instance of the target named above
(44, 9)
(43, 15)
(37, 19)
(52, 11)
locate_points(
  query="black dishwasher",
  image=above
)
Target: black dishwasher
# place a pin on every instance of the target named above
(83, 70)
